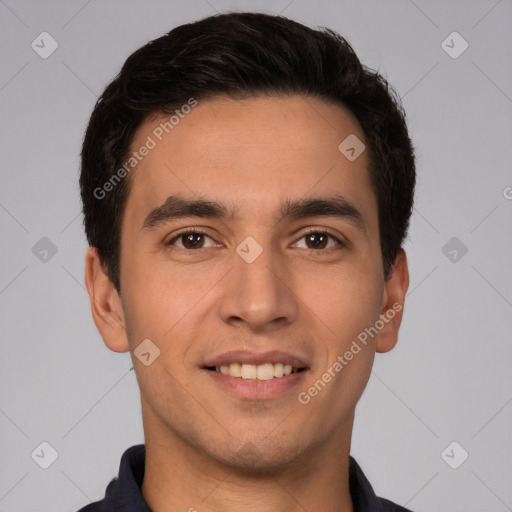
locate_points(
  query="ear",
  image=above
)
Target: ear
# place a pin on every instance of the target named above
(393, 300)
(106, 307)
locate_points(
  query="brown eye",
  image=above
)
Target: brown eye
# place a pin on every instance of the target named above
(317, 239)
(190, 240)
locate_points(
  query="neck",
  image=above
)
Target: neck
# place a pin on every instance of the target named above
(178, 477)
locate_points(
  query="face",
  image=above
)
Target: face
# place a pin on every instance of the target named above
(280, 270)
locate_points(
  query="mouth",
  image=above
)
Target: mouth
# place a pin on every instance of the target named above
(252, 376)
(265, 371)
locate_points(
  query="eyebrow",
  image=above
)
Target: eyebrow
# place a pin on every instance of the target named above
(178, 207)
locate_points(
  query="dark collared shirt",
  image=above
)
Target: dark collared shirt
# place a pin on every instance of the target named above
(123, 494)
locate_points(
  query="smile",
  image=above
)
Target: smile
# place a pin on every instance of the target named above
(266, 371)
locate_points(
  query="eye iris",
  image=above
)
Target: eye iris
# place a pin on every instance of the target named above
(189, 239)
(317, 239)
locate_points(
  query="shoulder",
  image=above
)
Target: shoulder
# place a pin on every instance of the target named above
(124, 491)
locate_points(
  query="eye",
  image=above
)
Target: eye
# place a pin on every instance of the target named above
(190, 240)
(317, 239)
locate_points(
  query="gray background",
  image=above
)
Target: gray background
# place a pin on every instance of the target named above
(447, 380)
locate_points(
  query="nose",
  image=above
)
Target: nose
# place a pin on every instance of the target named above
(259, 295)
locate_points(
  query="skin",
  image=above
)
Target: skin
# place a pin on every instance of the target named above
(205, 448)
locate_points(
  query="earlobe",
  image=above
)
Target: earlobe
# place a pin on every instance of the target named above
(393, 303)
(106, 307)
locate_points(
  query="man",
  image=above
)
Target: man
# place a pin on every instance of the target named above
(247, 186)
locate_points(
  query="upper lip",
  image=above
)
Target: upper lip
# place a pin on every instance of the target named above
(256, 358)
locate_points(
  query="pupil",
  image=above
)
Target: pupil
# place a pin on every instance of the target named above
(190, 238)
(320, 236)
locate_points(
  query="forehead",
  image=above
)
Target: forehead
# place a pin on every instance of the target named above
(249, 154)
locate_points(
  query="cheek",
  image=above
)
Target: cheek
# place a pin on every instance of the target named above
(160, 301)
(344, 302)
(352, 305)
(158, 312)
(344, 311)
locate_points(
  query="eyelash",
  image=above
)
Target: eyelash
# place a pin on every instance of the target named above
(198, 231)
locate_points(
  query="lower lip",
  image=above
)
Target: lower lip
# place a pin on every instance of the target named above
(253, 389)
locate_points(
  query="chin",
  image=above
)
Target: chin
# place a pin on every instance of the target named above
(259, 455)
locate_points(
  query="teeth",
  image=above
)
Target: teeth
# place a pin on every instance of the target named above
(249, 371)
(235, 370)
(265, 371)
